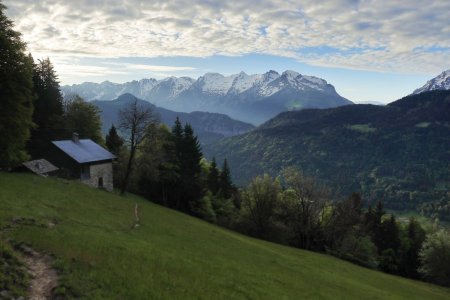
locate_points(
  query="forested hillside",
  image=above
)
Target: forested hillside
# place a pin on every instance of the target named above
(209, 127)
(399, 153)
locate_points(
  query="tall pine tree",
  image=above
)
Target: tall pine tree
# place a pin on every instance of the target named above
(213, 177)
(190, 168)
(225, 183)
(16, 94)
(48, 109)
(114, 142)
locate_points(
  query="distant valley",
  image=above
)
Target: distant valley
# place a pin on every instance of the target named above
(250, 98)
(399, 153)
(209, 127)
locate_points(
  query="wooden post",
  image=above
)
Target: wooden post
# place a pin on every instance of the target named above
(136, 215)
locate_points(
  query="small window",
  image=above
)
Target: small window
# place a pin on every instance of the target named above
(85, 172)
(100, 182)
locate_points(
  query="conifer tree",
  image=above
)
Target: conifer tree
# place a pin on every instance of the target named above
(16, 94)
(376, 230)
(415, 238)
(175, 194)
(114, 142)
(48, 109)
(192, 153)
(213, 177)
(225, 183)
(191, 156)
(177, 135)
(390, 234)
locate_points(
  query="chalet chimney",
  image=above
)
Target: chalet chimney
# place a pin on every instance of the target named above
(75, 138)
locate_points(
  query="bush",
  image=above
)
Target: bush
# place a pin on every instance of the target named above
(358, 249)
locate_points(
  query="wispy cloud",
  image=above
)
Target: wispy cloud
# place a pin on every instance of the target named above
(154, 68)
(397, 35)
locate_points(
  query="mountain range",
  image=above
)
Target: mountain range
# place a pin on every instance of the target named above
(399, 153)
(440, 82)
(250, 98)
(209, 127)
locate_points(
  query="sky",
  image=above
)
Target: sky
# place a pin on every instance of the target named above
(370, 50)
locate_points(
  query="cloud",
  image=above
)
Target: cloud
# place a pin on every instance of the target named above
(392, 35)
(154, 68)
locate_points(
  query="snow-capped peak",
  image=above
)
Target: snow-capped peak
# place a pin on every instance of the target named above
(290, 74)
(215, 83)
(440, 82)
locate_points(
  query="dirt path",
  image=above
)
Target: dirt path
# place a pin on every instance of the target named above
(43, 277)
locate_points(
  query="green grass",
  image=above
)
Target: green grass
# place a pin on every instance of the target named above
(423, 125)
(364, 128)
(13, 278)
(427, 222)
(171, 255)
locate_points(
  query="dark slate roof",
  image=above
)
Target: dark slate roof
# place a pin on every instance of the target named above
(40, 166)
(84, 151)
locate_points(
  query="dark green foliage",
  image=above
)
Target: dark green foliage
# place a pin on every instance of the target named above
(358, 249)
(48, 109)
(389, 261)
(390, 235)
(16, 94)
(177, 132)
(158, 171)
(134, 121)
(373, 224)
(213, 177)
(435, 258)
(304, 203)
(83, 118)
(204, 208)
(415, 236)
(345, 218)
(190, 169)
(259, 205)
(225, 184)
(114, 142)
(398, 152)
(187, 189)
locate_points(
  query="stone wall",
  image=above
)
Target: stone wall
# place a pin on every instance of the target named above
(103, 171)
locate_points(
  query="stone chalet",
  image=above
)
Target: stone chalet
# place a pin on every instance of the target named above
(84, 160)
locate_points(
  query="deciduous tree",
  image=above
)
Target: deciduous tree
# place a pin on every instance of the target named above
(134, 120)
(304, 204)
(435, 258)
(259, 204)
(84, 118)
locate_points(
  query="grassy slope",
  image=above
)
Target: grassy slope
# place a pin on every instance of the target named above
(175, 256)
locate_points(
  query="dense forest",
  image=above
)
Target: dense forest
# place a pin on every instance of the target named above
(166, 165)
(398, 153)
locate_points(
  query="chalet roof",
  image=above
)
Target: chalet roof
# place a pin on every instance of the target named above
(84, 151)
(40, 166)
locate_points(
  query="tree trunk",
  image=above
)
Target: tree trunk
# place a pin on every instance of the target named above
(128, 172)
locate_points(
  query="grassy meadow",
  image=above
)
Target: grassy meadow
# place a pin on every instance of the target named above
(171, 255)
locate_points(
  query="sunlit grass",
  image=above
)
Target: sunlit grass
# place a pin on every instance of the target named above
(171, 255)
